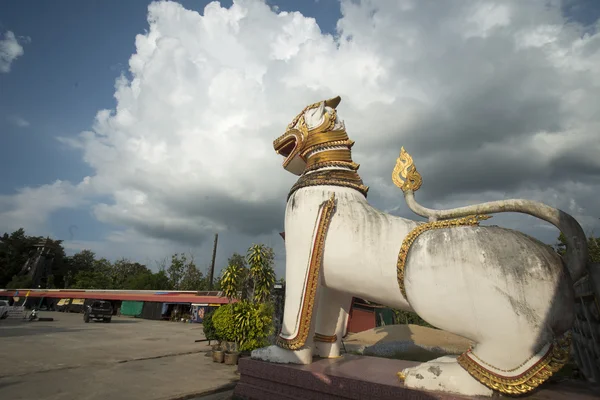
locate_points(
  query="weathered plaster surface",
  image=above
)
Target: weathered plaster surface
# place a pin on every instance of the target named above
(505, 291)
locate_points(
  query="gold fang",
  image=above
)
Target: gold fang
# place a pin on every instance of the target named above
(554, 359)
(328, 207)
(405, 174)
(471, 220)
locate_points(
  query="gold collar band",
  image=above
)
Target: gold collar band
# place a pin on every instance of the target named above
(329, 155)
(333, 177)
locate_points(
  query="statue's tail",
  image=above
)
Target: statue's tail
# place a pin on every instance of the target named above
(407, 178)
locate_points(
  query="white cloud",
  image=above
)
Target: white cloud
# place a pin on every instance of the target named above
(494, 97)
(18, 121)
(10, 49)
(30, 207)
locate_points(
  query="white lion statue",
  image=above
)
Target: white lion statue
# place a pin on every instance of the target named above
(507, 292)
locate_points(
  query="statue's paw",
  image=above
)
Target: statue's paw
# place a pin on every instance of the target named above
(444, 359)
(278, 355)
(446, 375)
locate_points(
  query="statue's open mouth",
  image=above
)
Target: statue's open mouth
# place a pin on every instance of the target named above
(289, 145)
(286, 146)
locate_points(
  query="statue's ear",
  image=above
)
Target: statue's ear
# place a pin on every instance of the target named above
(333, 103)
(316, 113)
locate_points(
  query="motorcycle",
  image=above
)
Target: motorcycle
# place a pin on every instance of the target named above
(33, 315)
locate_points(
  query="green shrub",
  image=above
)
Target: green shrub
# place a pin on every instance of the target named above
(222, 320)
(19, 282)
(407, 317)
(245, 323)
(208, 327)
(253, 323)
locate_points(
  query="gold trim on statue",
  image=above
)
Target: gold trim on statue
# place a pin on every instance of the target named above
(551, 362)
(312, 282)
(472, 220)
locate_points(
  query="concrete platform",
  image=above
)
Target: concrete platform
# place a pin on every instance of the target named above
(359, 377)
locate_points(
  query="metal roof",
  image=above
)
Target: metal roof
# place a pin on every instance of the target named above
(130, 295)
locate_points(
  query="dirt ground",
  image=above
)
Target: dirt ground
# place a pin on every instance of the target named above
(420, 335)
(409, 342)
(125, 359)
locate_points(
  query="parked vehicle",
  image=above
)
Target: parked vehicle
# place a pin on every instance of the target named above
(4, 307)
(63, 305)
(98, 310)
(33, 315)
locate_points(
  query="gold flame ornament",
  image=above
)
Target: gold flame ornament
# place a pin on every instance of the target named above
(405, 174)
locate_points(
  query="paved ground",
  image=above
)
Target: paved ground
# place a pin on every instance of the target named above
(406, 342)
(125, 359)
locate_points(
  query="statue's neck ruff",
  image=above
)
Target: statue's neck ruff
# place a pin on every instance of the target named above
(329, 162)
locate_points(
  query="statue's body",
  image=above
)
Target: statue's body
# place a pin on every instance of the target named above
(509, 293)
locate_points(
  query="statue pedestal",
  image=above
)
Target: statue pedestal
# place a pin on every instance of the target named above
(359, 377)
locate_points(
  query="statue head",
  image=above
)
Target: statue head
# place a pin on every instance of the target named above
(315, 126)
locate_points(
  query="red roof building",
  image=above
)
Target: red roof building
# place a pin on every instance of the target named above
(214, 297)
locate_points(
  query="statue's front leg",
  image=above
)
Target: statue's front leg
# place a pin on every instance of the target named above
(294, 345)
(305, 243)
(332, 317)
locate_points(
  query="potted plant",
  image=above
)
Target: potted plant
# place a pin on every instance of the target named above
(222, 322)
(208, 327)
(232, 354)
(249, 280)
(218, 355)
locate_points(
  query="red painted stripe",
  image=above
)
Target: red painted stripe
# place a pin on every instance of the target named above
(161, 298)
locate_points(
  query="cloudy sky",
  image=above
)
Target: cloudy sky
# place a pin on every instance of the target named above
(139, 129)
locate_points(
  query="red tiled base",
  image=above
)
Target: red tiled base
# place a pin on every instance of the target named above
(355, 377)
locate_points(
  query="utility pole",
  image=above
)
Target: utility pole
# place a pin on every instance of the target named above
(212, 264)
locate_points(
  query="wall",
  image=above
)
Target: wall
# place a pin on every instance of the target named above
(361, 319)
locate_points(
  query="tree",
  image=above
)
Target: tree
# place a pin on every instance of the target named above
(160, 281)
(237, 259)
(233, 277)
(594, 249)
(124, 271)
(16, 248)
(99, 276)
(254, 283)
(593, 245)
(82, 261)
(56, 279)
(232, 282)
(192, 278)
(148, 281)
(176, 270)
(407, 317)
(217, 283)
(249, 321)
(13, 254)
(260, 259)
(79, 262)
(19, 282)
(50, 282)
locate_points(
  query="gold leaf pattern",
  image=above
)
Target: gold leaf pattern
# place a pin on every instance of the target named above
(551, 362)
(405, 174)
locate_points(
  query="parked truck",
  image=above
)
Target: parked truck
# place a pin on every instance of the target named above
(4, 307)
(98, 310)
